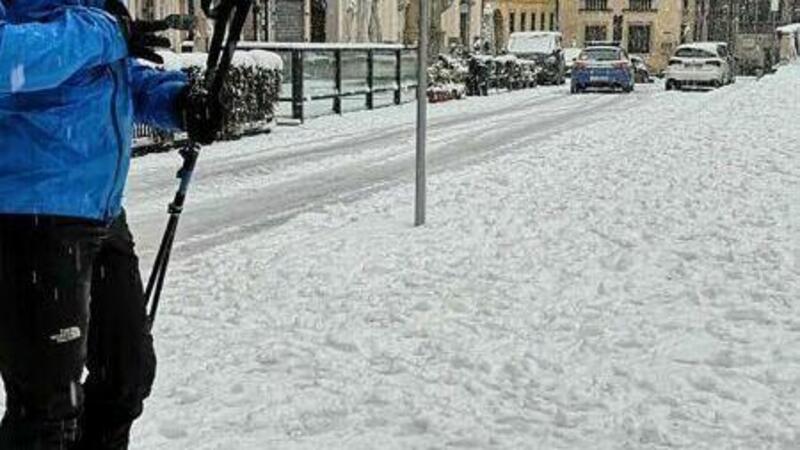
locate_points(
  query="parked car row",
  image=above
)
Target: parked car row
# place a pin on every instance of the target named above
(607, 65)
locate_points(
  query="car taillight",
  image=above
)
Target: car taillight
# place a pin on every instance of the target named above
(714, 63)
(675, 62)
(621, 65)
(581, 65)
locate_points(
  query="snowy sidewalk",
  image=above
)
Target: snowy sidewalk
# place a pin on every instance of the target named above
(589, 291)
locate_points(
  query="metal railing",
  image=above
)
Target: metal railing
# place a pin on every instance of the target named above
(641, 5)
(595, 5)
(315, 74)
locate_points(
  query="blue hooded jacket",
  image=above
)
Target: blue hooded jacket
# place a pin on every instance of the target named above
(69, 96)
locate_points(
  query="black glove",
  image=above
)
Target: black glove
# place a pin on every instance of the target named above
(140, 34)
(201, 115)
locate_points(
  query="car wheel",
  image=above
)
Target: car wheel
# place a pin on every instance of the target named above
(670, 85)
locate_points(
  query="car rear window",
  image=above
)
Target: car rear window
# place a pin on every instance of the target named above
(690, 52)
(600, 54)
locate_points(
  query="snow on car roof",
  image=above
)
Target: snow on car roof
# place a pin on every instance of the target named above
(602, 47)
(707, 46)
(535, 33)
(505, 58)
(533, 42)
(791, 28)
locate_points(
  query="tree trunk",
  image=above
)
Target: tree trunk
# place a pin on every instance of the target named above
(375, 29)
(436, 35)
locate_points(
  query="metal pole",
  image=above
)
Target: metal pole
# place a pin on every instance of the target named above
(398, 76)
(298, 95)
(337, 102)
(370, 79)
(422, 111)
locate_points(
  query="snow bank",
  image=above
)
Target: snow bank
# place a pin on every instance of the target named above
(194, 59)
(267, 59)
(790, 28)
(260, 58)
(172, 61)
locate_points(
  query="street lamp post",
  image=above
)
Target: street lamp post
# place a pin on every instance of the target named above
(422, 112)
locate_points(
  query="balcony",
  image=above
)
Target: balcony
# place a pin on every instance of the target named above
(595, 5)
(641, 6)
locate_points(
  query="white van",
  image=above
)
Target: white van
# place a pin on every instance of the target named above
(543, 47)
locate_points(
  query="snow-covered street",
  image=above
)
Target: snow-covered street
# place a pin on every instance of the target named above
(597, 272)
(262, 181)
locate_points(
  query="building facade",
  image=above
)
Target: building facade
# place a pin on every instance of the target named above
(379, 21)
(723, 20)
(528, 15)
(649, 28)
(461, 22)
(454, 22)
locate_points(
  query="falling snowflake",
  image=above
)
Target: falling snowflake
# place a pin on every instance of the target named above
(17, 78)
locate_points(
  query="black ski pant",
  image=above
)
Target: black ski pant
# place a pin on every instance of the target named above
(71, 296)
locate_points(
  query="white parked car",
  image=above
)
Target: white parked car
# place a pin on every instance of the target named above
(542, 47)
(702, 64)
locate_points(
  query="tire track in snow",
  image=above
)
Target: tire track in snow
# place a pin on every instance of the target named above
(372, 167)
(220, 165)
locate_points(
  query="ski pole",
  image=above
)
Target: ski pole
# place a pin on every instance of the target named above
(155, 284)
(223, 45)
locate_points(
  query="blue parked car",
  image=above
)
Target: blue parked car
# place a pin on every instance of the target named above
(602, 67)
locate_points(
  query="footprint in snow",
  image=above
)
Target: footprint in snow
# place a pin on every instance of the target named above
(172, 431)
(186, 396)
(341, 344)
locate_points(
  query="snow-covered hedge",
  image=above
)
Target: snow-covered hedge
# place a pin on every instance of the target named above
(453, 77)
(447, 78)
(251, 92)
(501, 72)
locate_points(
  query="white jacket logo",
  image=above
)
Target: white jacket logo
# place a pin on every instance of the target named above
(66, 335)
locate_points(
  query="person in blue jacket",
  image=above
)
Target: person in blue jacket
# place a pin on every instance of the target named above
(71, 89)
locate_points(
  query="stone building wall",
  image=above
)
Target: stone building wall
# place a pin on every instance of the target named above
(667, 22)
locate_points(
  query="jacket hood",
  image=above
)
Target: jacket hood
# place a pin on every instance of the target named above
(37, 8)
